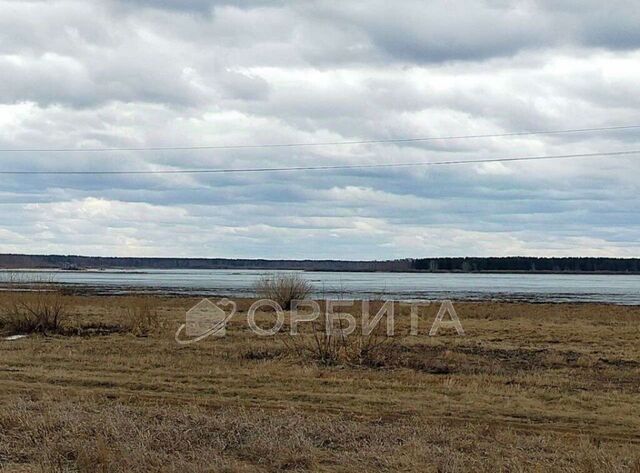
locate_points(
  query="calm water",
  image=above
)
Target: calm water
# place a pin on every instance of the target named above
(619, 289)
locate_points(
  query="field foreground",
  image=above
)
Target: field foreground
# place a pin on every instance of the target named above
(531, 387)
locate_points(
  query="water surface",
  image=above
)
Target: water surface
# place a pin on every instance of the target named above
(618, 288)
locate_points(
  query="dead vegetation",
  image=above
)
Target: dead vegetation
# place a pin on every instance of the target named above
(115, 438)
(283, 288)
(532, 387)
(141, 317)
(329, 342)
(37, 306)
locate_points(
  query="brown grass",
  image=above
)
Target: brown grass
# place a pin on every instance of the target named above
(42, 310)
(327, 342)
(532, 387)
(112, 437)
(142, 317)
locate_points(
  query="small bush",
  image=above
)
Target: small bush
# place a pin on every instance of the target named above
(334, 347)
(141, 317)
(283, 288)
(32, 307)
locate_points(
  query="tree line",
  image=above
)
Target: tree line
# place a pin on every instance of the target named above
(461, 264)
(529, 264)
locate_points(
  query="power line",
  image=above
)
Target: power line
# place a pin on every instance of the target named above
(328, 167)
(323, 143)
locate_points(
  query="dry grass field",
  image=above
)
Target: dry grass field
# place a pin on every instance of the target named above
(531, 387)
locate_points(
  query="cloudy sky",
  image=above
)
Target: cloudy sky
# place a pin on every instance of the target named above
(167, 73)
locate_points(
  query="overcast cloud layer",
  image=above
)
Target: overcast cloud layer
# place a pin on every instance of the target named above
(92, 74)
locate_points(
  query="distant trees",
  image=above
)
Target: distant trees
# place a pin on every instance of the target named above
(529, 264)
(470, 264)
(16, 261)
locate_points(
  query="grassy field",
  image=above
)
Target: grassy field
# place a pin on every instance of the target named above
(531, 387)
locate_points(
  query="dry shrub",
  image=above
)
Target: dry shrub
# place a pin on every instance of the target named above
(333, 346)
(142, 317)
(375, 350)
(32, 306)
(283, 288)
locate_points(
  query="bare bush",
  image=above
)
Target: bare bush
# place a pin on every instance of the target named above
(283, 288)
(141, 317)
(375, 350)
(329, 345)
(32, 305)
(321, 346)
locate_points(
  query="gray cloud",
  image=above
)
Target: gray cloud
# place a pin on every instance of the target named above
(134, 74)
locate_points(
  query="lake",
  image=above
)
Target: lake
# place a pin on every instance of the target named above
(618, 288)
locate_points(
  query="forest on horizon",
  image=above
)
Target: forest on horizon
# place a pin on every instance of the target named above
(440, 264)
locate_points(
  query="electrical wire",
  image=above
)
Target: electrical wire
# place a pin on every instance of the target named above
(324, 143)
(328, 167)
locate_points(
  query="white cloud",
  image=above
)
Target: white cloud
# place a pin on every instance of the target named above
(141, 73)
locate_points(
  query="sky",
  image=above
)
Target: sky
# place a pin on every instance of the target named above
(176, 73)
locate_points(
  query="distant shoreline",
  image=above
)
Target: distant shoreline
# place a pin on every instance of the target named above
(405, 271)
(470, 265)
